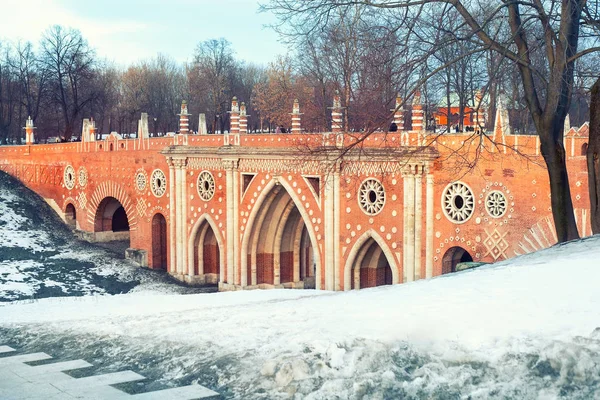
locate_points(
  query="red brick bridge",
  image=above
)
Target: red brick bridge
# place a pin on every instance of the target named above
(300, 210)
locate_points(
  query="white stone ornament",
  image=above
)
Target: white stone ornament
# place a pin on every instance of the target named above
(158, 183)
(458, 202)
(495, 204)
(141, 180)
(82, 177)
(206, 185)
(371, 196)
(69, 177)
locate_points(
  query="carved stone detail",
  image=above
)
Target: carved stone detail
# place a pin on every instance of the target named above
(158, 183)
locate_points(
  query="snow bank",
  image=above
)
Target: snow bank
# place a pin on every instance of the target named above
(525, 328)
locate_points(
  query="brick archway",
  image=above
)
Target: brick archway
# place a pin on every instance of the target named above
(279, 196)
(111, 189)
(198, 235)
(357, 254)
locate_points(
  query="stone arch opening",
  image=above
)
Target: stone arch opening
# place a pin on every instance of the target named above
(584, 149)
(278, 247)
(452, 257)
(159, 242)
(371, 267)
(111, 221)
(207, 253)
(71, 215)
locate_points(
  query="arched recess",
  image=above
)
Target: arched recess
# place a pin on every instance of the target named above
(111, 221)
(111, 189)
(205, 247)
(159, 242)
(584, 149)
(370, 251)
(453, 256)
(71, 215)
(275, 240)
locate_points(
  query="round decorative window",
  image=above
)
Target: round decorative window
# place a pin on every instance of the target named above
(371, 196)
(458, 202)
(495, 204)
(158, 183)
(82, 177)
(141, 180)
(69, 177)
(206, 185)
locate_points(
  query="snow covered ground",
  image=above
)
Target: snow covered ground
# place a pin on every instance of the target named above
(40, 257)
(527, 328)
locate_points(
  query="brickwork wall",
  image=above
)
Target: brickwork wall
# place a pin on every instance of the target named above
(521, 178)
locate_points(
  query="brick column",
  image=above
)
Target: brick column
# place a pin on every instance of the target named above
(243, 119)
(296, 126)
(399, 114)
(429, 224)
(418, 220)
(337, 115)
(409, 223)
(232, 234)
(184, 119)
(417, 113)
(233, 137)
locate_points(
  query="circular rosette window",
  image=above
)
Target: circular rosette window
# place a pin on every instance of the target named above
(82, 177)
(69, 177)
(206, 185)
(158, 183)
(495, 204)
(458, 202)
(141, 180)
(371, 196)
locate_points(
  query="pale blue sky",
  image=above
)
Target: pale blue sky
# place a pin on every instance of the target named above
(126, 31)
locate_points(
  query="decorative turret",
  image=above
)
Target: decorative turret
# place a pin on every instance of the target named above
(92, 130)
(235, 117)
(399, 114)
(417, 113)
(29, 129)
(233, 136)
(243, 118)
(296, 126)
(336, 114)
(184, 121)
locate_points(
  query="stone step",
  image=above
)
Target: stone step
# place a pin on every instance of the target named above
(20, 381)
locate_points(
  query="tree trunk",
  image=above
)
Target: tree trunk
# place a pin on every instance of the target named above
(562, 205)
(593, 153)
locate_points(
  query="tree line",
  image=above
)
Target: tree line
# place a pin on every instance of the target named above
(357, 54)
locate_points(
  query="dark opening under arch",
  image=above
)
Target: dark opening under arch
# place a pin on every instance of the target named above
(453, 256)
(371, 267)
(159, 242)
(71, 215)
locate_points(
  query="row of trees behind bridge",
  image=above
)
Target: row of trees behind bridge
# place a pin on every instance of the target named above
(61, 80)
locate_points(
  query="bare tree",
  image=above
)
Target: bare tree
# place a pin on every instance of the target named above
(71, 68)
(543, 45)
(215, 68)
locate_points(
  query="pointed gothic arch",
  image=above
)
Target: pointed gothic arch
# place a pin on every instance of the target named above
(159, 242)
(71, 215)
(372, 248)
(274, 242)
(207, 254)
